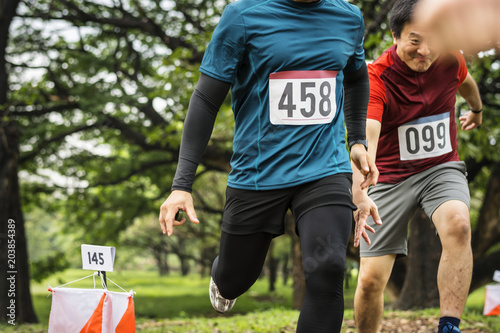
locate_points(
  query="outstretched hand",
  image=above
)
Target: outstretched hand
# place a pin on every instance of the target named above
(366, 207)
(471, 120)
(177, 200)
(364, 163)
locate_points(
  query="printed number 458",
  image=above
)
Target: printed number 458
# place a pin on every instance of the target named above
(95, 259)
(325, 105)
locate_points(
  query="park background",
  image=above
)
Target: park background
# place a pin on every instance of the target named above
(93, 94)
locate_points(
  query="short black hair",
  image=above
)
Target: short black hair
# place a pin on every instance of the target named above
(401, 14)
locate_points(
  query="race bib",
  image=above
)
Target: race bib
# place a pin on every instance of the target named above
(425, 137)
(302, 97)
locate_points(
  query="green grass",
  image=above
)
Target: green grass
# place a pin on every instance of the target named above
(158, 297)
(272, 320)
(181, 304)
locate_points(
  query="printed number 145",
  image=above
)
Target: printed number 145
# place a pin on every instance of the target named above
(96, 258)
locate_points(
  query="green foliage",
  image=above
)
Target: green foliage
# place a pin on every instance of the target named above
(101, 92)
(162, 296)
(42, 269)
(483, 144)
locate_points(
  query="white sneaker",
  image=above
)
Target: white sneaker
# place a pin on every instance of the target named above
(220, 304)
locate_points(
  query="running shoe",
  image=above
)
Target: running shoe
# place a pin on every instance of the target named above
(220, 304)
(450, 328)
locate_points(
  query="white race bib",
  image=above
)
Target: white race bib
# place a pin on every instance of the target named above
(425, 137)
(302, 97)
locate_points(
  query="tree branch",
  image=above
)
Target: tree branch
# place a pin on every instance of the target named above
(204, 206)
(44, 110)
(142, 168)
(380, 17)
(29, 155)
(132, 136)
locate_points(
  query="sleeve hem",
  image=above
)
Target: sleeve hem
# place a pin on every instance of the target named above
(215, 76)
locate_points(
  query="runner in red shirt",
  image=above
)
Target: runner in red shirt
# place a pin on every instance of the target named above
(411, 133)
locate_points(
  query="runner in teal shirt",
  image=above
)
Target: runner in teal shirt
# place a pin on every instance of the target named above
(254, 40)
(294, 68)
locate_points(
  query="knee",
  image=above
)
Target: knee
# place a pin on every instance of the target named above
(457, 232)
(329, 266)
(370, 284)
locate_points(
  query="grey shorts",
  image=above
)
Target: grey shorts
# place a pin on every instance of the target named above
(397, 203)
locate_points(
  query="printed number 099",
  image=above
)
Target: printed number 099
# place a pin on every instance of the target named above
(428, 138)
(325, 105)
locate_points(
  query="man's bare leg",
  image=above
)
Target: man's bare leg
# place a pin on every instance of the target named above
(374, 273)
(455, 267)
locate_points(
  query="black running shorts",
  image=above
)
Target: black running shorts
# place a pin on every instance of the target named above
(248, 211)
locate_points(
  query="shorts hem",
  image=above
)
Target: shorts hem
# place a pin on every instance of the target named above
(343, 203)
(433, 210)
(237, 230)
(399, 253)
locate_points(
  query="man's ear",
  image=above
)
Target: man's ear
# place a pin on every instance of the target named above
(393, 37)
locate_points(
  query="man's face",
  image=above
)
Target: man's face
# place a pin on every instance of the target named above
(415, 48)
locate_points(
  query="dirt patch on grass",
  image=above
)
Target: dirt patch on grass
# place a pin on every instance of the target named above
(396, 323)
(393, 322)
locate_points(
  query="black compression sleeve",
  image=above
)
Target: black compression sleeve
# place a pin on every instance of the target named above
(357, 95)
(204, 105)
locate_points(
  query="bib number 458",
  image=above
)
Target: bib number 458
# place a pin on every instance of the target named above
(302, 98)
(307, 95)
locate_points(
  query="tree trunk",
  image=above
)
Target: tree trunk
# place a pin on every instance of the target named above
(420, 286)
(160, 254)
(207, 256)
(397, 278)
(284, 269)
(347, 277)
(184, 265)
(180, 251)
(15, 300)
(272, 265)
(487, 233)
(299, 282)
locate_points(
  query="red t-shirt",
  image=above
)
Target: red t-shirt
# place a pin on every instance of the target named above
(417, 112)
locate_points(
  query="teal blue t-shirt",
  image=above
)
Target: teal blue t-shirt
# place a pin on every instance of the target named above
(285, 62)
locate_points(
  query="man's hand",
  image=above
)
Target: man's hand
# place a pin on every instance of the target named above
(176, 201)
(468, 25)
(471, 120)
(366, 207)
(363, 162)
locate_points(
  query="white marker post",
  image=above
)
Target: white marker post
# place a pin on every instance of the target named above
(496, 276)
(98, 258)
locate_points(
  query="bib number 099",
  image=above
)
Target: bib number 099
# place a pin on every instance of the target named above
(426, 137)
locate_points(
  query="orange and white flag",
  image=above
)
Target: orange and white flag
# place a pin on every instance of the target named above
(91, 311)
(492, 300)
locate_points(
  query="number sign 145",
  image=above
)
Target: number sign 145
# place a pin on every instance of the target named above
(98, 258)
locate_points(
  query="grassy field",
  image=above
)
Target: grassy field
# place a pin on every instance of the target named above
(181, 304)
